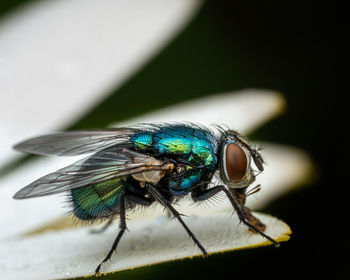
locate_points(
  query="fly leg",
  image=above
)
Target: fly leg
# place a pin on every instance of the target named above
(132, 197)
(240, 196)
(160, 198)
(102, 229)
(122, 228)
(243, 213)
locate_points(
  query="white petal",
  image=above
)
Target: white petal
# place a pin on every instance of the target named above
(76, 253)
(59, 58)
(242, 110)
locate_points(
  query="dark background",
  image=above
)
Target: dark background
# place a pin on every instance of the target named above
(289, 46)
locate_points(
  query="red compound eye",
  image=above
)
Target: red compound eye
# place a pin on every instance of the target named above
(236, 162)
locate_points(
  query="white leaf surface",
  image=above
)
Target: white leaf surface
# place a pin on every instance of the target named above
(59, 58)
(36, 212)
(74, 252)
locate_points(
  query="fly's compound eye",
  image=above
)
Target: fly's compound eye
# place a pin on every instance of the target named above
(236, 163)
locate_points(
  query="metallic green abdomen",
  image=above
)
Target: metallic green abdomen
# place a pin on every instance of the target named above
(98, 200)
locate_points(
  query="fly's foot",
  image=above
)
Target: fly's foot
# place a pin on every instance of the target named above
(253, 220)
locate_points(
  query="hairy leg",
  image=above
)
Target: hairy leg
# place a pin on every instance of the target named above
(122, 228)
(160, 198)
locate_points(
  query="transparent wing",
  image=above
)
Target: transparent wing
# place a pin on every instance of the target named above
(73, 143)
(104, 165)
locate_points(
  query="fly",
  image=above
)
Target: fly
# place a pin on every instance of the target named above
(141, 165)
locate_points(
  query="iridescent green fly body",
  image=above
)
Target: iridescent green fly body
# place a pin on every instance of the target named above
(145, 164)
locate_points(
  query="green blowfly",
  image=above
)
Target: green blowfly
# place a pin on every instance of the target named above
(148, 163)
